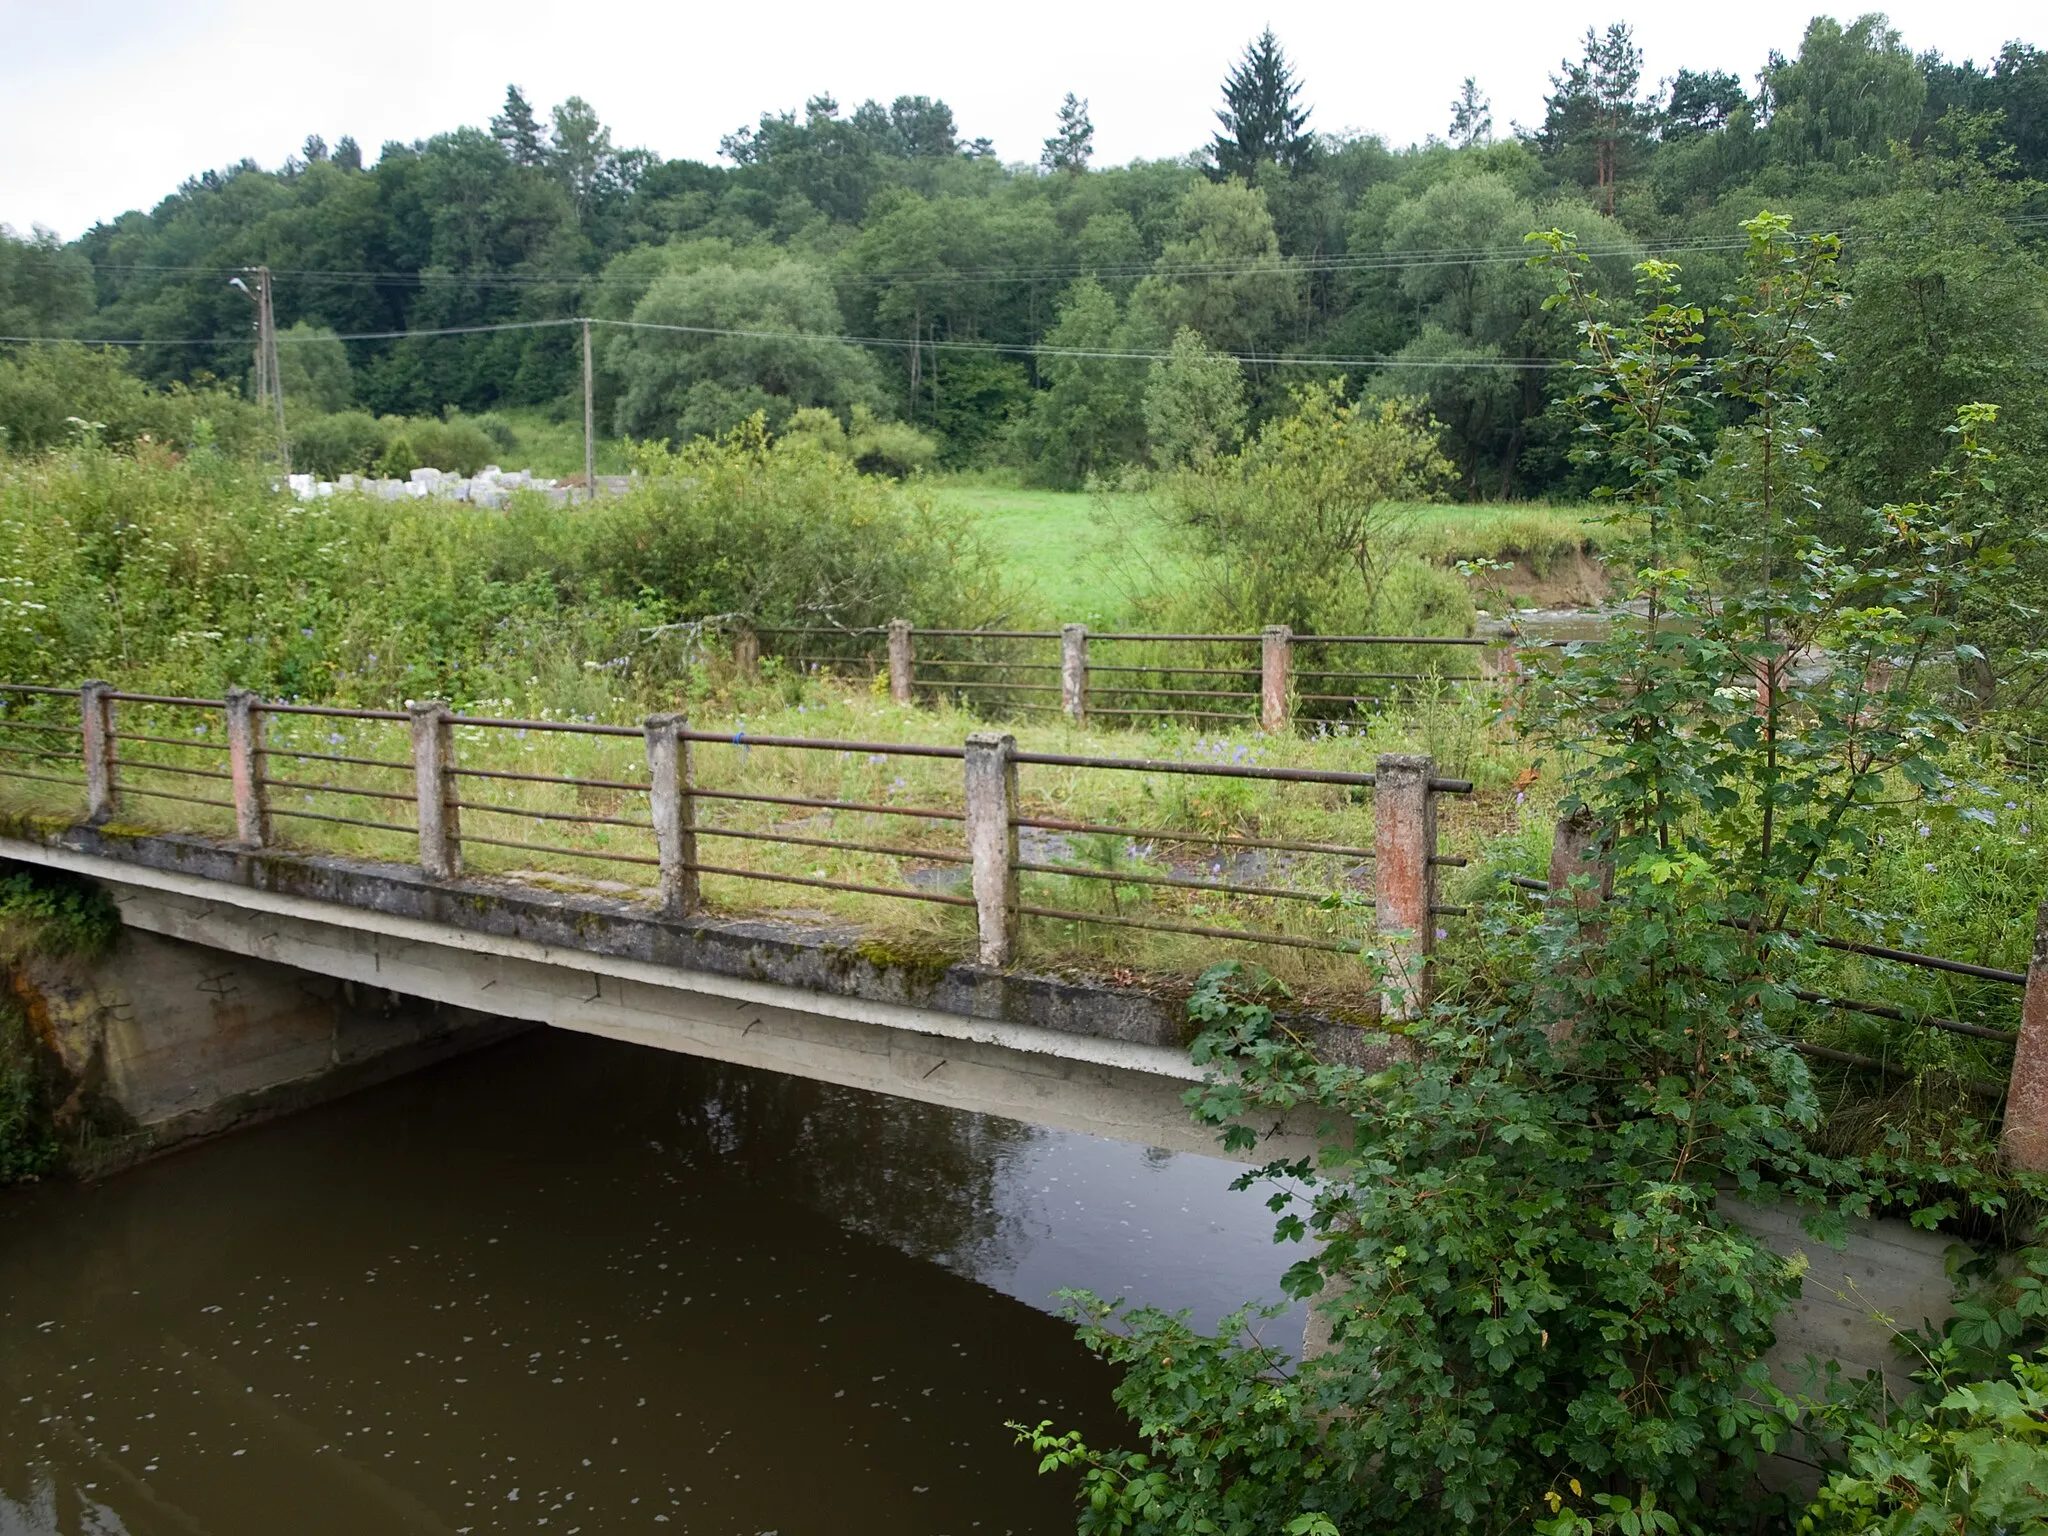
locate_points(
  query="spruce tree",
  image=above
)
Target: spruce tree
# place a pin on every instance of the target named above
(1073, 142)
(519, 130)
(1263, 126)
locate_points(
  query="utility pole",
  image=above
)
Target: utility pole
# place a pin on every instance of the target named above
(589, 423)
(269, 382)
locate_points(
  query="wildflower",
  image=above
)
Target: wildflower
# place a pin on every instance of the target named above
(1923, 829)
(1443, 933)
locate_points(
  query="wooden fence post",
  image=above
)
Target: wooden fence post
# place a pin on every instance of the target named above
(746, 651)
(900, 660)
(245, 768)
(1404, 875)
(1276, 677)
(1074, 672)
(675, 812)
(1577, 848)
(96, 721)
(433, 763)
(991, 774)
(2026, 1102)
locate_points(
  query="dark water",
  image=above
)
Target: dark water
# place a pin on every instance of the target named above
(569, 1285)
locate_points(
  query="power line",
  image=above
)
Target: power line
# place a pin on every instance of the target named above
(1020, 348)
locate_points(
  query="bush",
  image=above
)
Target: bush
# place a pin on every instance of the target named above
(54, 395)
(346, 443)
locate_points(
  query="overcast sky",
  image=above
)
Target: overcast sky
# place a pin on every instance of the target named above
(107, 105)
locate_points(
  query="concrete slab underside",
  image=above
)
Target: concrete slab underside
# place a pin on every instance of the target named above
(1127, 1090)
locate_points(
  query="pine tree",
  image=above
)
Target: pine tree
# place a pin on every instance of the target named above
(1262, 124)
(1594, 123)
(1471, 116)
(348, 154)
(1073, 142)
(519, 130)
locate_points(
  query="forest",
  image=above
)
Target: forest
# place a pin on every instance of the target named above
(1021, 315)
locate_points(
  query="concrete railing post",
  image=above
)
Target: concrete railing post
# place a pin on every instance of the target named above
(900, 660)
(991, 773)
(2026, 1102)
(433, 764)
(1276, 677)
(96, 720)
(1577, 852)
(245, 768)
(675, 812)
(1404, 872)
(1074, 672)
(746, 651)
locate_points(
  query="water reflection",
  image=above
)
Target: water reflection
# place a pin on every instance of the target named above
(569, 1285)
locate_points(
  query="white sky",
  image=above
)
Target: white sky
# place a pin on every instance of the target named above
(107, 105)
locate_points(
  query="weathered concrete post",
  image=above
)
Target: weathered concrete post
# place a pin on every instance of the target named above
(96, 711)
(675, 812)
(1074, 672)
(1404, 872)
(1576, 853)
(2026, 1102)
(746, 651)
(433, 763)
(245, 768)
(1276, 677)
(899, 660)
(991, 773)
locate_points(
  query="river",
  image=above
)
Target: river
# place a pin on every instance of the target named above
(571, 1285)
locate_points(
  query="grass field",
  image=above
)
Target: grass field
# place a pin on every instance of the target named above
(1067, 548)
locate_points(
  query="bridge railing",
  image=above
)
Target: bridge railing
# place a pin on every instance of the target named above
(1272, 678)
(1227, 848)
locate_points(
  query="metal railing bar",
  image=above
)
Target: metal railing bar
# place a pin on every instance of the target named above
(346, 821)
(1083, 873)
(1399, 677)
(33, 725)
(491, 808)
(990, 634)
(1125, 690)
(1008, 666)
(1908, 957)
(966, 684)
(933, 855)
(938, 897)
(1932, 1021)
(820, 744)
(44, 757)
(1251, 936)
(170, 699)
(1976, 1085)
(1204, 770)
(564, 727)
(327, 712)
(1228, 840)
(812, 629)
(572, 853)
(546, 778)
(339, 789)
(1162, 670)
(41, 778)
(1178, 714)
(697, 793)
(190, 773)
(330, 757)
(165, 794)
(69, 693)
(1302, 641)
(171, 741)
(1184, 639)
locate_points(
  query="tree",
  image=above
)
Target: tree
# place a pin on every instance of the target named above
(1221, 274)
(348, 154)
(1072, 144)
(313, 369)
(582, 159)
(702, 379)
(1849, 94)
(518, 130)
(1088, 420)
(1194, 404)
(1594, 125)
(1263, 126)
(1471, 116)
(1700, 103)
(45, 289)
